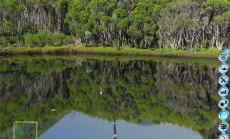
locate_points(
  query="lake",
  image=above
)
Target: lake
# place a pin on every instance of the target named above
(148, 97)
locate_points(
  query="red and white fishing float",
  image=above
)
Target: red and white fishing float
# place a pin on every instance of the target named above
(101, 94)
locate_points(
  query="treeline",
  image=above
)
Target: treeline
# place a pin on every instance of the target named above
(39, 39)
(181, 24)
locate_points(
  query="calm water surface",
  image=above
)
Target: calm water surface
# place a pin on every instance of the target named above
(157, 98)
(81, 126)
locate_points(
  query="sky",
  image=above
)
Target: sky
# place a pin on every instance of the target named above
(77, 125)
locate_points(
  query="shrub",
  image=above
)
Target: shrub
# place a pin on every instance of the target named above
(43, 38)
(7, 40)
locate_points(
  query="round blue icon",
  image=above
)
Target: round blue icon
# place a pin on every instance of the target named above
(223, 79)
(223, 91)
(223, 103)
(223, 68)
(223, 126)
(223, 115)
(223, 56)
(223, 136)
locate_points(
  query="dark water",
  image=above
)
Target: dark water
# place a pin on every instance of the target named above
(158, 98)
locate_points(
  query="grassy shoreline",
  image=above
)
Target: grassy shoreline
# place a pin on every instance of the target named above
(109, 51)
(213, 62)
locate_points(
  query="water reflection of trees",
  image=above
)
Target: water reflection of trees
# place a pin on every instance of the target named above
(180, 93)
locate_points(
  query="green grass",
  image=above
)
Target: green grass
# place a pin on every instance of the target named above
(213, 61)
(114, 51)
(200, 58)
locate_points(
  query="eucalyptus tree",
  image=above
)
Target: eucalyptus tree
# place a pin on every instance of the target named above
(194, 23)
(220, 21)
(143, 27)
(31, 16)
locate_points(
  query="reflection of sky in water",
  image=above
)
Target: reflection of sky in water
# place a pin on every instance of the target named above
(80, 126)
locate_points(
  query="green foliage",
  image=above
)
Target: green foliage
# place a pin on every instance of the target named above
(59, 2)
(47, 67)
(218, 18)
(11, 5)
(132, 31)
(111, 5)
(6, 82)
(105, 18)
(223, 16)
(105, 85)
(43, 38)
(39, 39)
(208, 4)
(119, 12)
(122, 23)
(79, 32)
(29, 38)
(182, 22)
(120, 82)
(214, 2)
(44, 1)
(148, 38)
(7, 40)
(116, 43)
(6, 24)
(170, 21)
(98, 28)
(130, 75)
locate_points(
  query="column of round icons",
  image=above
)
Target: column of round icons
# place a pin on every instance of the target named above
(223, 92)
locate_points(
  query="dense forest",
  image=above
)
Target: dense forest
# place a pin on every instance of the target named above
(162, 24)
